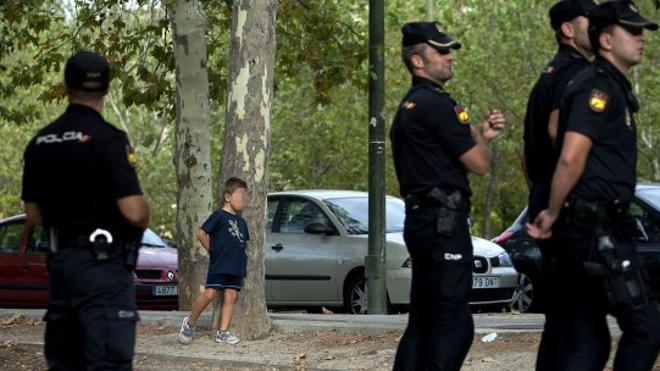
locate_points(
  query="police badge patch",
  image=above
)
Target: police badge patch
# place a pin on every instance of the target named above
(598, 101)
(131, 155)
(409, 105)
(462, 115)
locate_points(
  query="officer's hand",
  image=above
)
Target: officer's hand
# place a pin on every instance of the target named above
(492, 125)
(541, 229)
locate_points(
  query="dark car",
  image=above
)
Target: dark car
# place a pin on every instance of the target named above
(24, 278)
(526, 254)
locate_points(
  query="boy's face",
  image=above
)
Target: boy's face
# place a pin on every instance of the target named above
(237, 199)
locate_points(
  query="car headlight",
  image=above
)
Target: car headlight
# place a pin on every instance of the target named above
(407, 263)
(502, 260)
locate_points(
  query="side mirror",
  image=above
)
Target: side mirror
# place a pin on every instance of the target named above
(318, 228)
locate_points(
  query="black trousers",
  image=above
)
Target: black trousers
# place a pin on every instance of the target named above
(576, 335)
(90, 322)
(440, 327)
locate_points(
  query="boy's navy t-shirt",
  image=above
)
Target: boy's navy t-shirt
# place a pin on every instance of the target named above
(228, 234)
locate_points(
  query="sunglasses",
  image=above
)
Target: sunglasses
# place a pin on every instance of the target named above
(635, 31)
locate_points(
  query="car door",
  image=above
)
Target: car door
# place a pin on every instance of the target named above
(12, 272)
(648, 241)
(35, 253)
(301, 268)
(272, 207)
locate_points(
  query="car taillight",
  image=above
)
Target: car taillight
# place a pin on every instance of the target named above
(503, 237)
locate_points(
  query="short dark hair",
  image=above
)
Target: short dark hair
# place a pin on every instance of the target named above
(232, 184)
(408, 51)
(82, 95)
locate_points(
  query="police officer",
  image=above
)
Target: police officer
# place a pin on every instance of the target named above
(569, 21)
(587, 216)
(80, 183)
(434, 147)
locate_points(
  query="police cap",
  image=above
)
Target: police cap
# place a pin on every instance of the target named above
(430, 33)
(87, 71)
(622, 12)
(566, 10)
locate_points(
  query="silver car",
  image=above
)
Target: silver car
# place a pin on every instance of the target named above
(316, 242)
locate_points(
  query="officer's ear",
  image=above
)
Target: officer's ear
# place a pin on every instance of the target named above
(416, 61)
(605, 40)
(567, 30)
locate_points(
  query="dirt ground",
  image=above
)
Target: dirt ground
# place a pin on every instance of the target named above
(158, 349)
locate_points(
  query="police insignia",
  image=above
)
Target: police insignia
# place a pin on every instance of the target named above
(548, 70)
(462, 114)
(409, 105)
(131, 155)
(598, 101)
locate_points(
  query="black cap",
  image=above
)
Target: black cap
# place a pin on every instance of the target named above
(430, 33)
(566, 10)
(87, 71)
(623, 12)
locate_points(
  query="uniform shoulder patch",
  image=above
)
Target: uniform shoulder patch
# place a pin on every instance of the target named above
(461, 114)
(131, 155)
(409, 105)
(598, 101)
(549, 70)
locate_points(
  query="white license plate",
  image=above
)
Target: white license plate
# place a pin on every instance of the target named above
(165, 290)
(485, 282)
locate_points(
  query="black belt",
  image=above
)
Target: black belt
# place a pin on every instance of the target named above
(426, 201)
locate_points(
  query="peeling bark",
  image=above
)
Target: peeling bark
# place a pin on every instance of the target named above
(246, 144)
(192, 157)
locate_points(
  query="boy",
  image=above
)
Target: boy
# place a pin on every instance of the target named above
(224, 235)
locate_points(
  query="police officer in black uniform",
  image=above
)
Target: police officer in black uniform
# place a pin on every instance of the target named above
(593, 184)
(80, 183)
(434, 147)
(569, 21)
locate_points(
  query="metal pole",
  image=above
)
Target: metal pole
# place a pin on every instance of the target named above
(429, 10)
(375, 261)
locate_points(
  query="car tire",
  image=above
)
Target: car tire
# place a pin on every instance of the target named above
(523, 296)
(355, 295)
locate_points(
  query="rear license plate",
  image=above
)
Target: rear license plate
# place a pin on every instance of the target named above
(165, 290)
(485, 282)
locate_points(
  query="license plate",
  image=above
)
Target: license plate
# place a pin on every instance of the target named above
(485, 282)
(165, 290)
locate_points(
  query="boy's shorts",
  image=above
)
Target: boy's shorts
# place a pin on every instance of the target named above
(224, 281)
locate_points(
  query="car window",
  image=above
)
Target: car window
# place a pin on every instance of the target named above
(38, 243)
(272, 209)
(299, 213)
(648, 224)
(151, 239)
(353, 213)
(10, 238)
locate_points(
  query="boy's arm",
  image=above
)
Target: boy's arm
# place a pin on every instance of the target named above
(203, 238)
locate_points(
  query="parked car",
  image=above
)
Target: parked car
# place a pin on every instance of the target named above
(526, 254)
(316, 243)
(23, 275)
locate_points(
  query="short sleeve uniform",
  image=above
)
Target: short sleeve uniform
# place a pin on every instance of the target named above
(430, 132)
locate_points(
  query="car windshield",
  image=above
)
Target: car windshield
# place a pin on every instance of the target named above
(651, 196)
(353, 213)
(150, 239)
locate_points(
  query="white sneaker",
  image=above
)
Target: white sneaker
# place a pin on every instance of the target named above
(186, 333)
(226, 337)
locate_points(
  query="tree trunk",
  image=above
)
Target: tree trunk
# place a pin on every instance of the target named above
(246, 144)
(491, 191)
(192, 148)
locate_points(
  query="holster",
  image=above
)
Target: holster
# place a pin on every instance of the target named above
(621, 276)
(450, 205)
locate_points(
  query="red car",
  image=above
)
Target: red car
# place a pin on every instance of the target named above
(24, 279)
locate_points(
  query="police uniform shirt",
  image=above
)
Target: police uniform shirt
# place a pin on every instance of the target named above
(228, 234)
(540, 153)
(429, 133)
(75, 170)
(600, 104)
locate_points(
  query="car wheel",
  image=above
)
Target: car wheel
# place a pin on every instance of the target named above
(355, 296)
(523, 296)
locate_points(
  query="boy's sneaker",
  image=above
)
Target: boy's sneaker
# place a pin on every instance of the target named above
(226, 337)
(186, 332)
